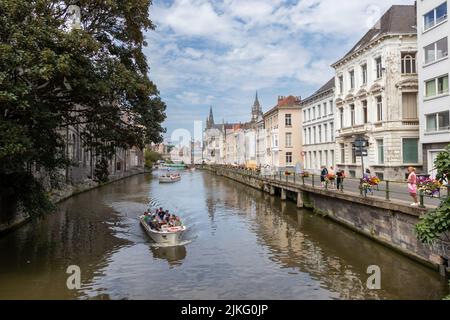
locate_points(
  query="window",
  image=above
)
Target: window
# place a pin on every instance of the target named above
(379, 108)
(309, 114)
(320, 134)
(435, 16)
(353, 153)
(341, 117)
(342, 147)
(288, 158)
(352, 114)
(410, 150)
(332, 131)
(275, 140)
(309, 136)
(341, 84)
(408, 63)
(319, 111)
(436, 51)
(438, 121)
(315, 135)
(436, 86)
(313, 113)
(324, 109)
(409, 105)
(364, 109)
(304, 116)
(379, 67)
(331, 107)
(288, 120)
(364, 73)
(332, 157)
(352, 79)
(304, 137)
(288, 140)
(380, 148)
(325, 133)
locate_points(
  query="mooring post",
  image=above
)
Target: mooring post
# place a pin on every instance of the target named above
(421, 199)
(312, 183)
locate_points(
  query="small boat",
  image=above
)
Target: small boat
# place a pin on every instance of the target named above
(169, 178)
(167, 235)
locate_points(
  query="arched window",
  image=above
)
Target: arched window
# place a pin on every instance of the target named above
(408, 63)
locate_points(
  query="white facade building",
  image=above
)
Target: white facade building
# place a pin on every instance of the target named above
(318, 129)
(433, 33)
(376, 98)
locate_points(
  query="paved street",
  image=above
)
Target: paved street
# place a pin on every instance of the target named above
(397, 190)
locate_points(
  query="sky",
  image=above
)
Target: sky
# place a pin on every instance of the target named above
(220, 52)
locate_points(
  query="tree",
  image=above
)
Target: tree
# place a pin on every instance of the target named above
(151, 157)
(51, 77)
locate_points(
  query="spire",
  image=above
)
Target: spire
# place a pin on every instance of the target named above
(210, 119)
(256, 100)
(256, 109)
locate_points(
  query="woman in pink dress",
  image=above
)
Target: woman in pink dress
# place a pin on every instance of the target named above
(412, 185)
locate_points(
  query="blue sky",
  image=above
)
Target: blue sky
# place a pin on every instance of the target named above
(218, 53)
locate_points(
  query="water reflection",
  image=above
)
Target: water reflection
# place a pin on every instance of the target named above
(174, 255)
(241, 244)
(335, 256)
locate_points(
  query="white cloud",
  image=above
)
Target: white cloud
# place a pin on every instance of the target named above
(219, 52)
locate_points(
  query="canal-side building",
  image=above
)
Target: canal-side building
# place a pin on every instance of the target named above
(376, 98)
(260, 144)
(213, 141)
(318, 128)
(283, 139)
(232, 143)
(433, 32)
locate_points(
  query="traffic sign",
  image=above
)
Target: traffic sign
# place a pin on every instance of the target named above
(360, 142)
(362, 153)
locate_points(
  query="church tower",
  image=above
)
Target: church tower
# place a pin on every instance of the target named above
(257, 113)
(210, 119)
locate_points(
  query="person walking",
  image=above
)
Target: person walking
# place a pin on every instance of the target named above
(412, 185)
(332, 176)
(323, 176)
(340, 179)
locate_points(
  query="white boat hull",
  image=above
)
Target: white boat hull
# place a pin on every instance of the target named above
(169, 179)
(163, 237)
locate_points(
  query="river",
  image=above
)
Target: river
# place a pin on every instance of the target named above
(241, 244)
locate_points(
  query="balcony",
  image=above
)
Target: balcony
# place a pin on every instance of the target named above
(355, 130)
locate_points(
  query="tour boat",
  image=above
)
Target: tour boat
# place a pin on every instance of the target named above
(168, 178)
(167, 235)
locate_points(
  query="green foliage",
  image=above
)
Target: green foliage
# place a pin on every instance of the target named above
(95, 78)
(442, 165)
(151, 157)
(435, 223)
(101, 172)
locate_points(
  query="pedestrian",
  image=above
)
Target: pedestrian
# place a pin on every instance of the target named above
(323, 176)
(340, 175)
(412, 185)
(332, 176)
(367, 173)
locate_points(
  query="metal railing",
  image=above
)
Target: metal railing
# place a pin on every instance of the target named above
(385, 190)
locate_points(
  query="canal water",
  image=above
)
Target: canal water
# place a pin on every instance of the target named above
(241, 244)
